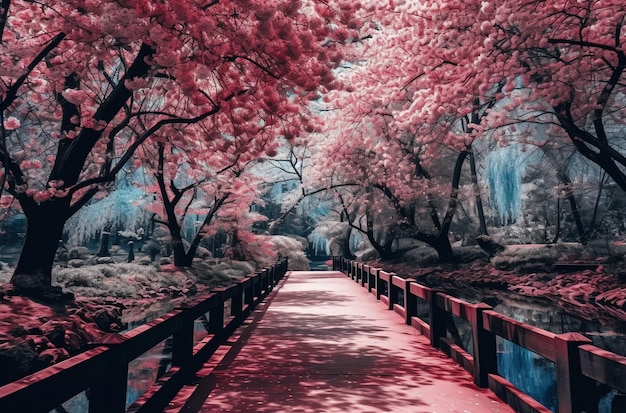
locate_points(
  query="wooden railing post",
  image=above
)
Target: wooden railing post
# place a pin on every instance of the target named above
(437, 319)
(258, 287)
(371, 280)
(248, 292)
(182, 340)
(484, 343)
(363, 276)
(365, 272)
(216, 314)
(573, 388)
(378, 283)
(410, 301)
(268, 283)
(109, 394)
(236, 303)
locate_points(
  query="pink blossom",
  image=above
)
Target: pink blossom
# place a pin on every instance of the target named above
(75, 96)
(11, 123)
(42, 196)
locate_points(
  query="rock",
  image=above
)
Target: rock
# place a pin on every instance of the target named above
(191, 286)
(105, 260)
(165, 261)
(73, 341)
(489, 245)
(108, 319)
(163, 290)
(76, 263)
(91, 330)
(202, 252)
(79, 253)
(16, 360)
(52, 356)
(18, 331)
(54, 331)
(145, 261)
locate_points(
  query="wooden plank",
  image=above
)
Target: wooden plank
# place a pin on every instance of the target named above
(419, 290)
(400, 310)
(204, 304)
(456, 353)
(141, 339)
(514, 397)
(603, 366)
(532, 338)
(398, 281)
(454, 305)
(58, 383)
(385, 276)
(421, 326)
(384, 299)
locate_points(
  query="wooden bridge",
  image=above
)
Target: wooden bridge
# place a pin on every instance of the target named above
(318, 342)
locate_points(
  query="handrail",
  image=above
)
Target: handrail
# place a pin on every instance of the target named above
(104, 369)
(579, 364)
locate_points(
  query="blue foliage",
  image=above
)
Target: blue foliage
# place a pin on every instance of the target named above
(318, 244)
(121, 209)
(504, 171)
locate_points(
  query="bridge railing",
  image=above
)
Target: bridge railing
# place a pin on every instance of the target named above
(103, 370)
(579, 364)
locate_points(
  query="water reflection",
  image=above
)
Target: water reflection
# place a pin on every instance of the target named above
(530, 372)
(143, 372)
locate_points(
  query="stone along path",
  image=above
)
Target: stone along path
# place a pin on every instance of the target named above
(321, 343)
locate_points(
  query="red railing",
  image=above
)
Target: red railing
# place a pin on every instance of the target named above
(104, 369)
(579, 364)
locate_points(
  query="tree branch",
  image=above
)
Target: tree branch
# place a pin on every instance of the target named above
(11, 93)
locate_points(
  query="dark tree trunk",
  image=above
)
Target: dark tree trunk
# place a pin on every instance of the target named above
(444, 249)
(104, 243)
(345, 248)
(181, 258)
(477, 197)
(45, 222)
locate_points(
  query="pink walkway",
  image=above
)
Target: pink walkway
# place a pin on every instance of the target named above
(321, 343)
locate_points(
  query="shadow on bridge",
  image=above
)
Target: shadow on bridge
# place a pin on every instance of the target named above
(323, 344)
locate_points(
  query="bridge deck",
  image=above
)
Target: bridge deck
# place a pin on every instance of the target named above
(321, 343)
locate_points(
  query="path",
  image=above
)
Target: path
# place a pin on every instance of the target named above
(321, 343)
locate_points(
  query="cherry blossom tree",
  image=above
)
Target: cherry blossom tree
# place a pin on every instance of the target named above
(86, 83)
(570, 58)
(195, 187)
(394, 127)
(529, 62)
(562, 64)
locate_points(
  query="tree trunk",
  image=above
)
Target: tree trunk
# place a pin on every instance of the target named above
(45, 222)
(444, 249)
(477, 197)
(345, 247)
(181, 258)
(104, 243)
